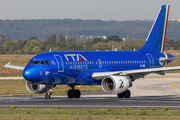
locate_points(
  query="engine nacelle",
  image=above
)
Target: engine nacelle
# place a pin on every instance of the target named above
(115, 84)
(35, 88)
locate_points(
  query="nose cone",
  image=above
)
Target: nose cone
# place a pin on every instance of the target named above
(31, 74)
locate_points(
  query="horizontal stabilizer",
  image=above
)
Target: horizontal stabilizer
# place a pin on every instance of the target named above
(13, 66)
(169, 59)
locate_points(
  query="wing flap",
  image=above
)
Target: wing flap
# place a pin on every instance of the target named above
(14, 66)
(101, 75)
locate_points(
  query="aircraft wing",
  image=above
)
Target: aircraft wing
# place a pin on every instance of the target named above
(101, 75)
(14, 67)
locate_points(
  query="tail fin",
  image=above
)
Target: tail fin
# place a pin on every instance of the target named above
(156, 39)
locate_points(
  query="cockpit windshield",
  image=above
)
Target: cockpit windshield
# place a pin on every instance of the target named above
(42, 62)
(47, 63)
(29, 62)
(35, 62)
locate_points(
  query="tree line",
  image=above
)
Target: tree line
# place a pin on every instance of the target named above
(35, 46)
(25, 29)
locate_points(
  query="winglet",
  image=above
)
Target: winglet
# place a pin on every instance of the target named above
(7, 64)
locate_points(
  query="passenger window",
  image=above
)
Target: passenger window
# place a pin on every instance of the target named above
(47, 63)
(29, 62)
(42, 63)
(35, 62)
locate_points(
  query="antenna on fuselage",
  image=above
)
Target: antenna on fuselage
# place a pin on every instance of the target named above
(50, 50)
(116, 49)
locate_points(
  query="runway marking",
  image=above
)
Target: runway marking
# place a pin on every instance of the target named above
(174, 86)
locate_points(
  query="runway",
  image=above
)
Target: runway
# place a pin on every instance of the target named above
(153, 91)
(95, 102)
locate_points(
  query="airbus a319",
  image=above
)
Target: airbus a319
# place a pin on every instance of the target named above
(113, 70)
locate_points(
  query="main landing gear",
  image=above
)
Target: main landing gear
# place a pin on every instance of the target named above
(73, 93)
(48, 95)
(125, 94)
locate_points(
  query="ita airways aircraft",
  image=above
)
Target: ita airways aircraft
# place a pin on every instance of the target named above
(113, 70)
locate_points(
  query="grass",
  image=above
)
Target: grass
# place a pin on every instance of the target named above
(18, 88)
(88, 114)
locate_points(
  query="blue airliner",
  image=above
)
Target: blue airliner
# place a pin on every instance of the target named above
(113, 70)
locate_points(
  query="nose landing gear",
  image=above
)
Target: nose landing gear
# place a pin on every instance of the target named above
(48, 95)
(73, 93)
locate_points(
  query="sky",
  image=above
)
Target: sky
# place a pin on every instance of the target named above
(120, 10)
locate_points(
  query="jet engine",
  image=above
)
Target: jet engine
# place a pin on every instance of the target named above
(115, 84)
(35, 88)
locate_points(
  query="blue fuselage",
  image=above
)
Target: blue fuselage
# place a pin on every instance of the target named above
(77, 67)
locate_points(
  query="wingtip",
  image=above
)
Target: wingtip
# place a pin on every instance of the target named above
(7, 64)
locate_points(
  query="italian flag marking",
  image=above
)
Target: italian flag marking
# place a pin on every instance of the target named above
(121, 86)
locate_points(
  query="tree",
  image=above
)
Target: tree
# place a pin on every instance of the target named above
(72, 43)
(32, 38)
(80, 44)
(88, 44)
(114, 38)
(62, 41)
(36, 50)
(169, 43)
(100, 46)
(28, 48)
(1, 49)
(2, 39)
(9, 47)
(96, 40)
(51, 39)
(20, 44)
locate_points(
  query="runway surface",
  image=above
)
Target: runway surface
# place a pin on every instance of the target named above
(154, 91)
(95, 102)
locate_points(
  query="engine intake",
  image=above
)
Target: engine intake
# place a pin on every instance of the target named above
(115, 84)
(35, 88)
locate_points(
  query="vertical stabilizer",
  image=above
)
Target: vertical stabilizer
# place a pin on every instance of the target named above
(156, 39)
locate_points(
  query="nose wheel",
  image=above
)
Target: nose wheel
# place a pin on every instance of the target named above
(73, 93)
(48, 95)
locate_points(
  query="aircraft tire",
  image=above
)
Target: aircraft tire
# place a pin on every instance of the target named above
(77, 93)
(46, 96)
(70, 93)
(127, 94)
(50, 95)
(120, 95)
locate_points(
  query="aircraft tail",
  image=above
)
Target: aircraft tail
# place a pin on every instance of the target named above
(155, 41)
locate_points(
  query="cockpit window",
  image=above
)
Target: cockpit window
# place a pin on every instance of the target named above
(47, 63)
(42, 63)
(35, 62)
(29, 62)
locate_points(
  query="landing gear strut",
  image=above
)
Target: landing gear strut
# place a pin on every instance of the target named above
(125, 94)
(73, 93)
(48, 95)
